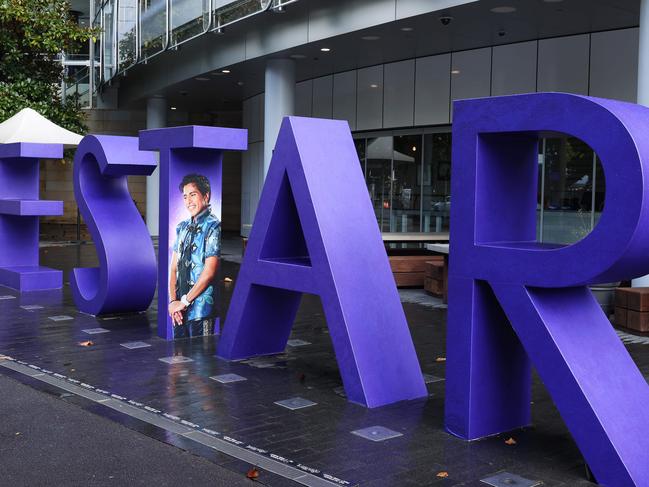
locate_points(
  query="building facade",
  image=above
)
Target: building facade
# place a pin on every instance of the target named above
(391, 68)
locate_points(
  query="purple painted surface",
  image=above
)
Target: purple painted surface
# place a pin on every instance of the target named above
(31, 207)
(19, 212)
(315, 232)
(126, 277)
(511, 298)
(185, 150)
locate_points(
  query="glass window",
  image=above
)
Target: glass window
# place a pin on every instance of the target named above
(126, 41)
(379, 178)
(406, 184)
(108, 39)
(153, 27)
(189, 18)
(568, 190)
(436, 183)
(360, 150)
(228, 11)
(600, 190)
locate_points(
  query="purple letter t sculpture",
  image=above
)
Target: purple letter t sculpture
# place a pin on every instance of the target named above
(125, 280)
(185, 150)
(500, 275)
(19, 212)
(315, 232)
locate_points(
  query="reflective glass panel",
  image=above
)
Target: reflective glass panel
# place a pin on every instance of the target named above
(153, 26)
(379, 178)
(227, 11)
(600, 191)
(567, 195)
(406, 183)
(436, 183)
(188, 18)
(360, 150)
(108, 39)
(126, 40)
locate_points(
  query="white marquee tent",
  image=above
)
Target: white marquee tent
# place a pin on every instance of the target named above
(30, 126)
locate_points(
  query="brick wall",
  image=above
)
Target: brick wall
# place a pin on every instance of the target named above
(56, 175)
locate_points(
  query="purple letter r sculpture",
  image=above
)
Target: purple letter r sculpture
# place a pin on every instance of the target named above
(315, 232)
(19, 212)
(500, 275)
(125, 280)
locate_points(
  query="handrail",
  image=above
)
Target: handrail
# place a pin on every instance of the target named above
(123, 41)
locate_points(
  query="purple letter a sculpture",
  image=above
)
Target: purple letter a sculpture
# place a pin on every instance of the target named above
(315, 232)
(500, 275)
(19, 212)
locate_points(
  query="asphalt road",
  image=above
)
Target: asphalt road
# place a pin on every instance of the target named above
(45, 441)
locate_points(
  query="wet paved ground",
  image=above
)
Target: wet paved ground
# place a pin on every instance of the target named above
(317, 437)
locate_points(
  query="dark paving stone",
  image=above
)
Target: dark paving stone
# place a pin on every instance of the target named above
(317, 436)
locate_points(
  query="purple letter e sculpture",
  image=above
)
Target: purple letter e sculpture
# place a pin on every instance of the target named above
(19, 212)
(500, 275)
(188, 150)
(125, 280)
(315, 232)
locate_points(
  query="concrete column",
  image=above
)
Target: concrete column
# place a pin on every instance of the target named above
(279, 101)
(643, 85)
(156, 117)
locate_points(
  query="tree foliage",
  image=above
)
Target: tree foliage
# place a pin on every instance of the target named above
(32, 34)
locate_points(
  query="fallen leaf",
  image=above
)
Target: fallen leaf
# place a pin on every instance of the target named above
(253, 474)
(510, 441)
(87, 343)
(442, 475)
(440, 359)
(227, 279)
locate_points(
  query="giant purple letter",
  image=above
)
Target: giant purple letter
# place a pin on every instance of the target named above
(315, 232)
(499, 273)
(125, 280)
(19, 212)
(185, 150)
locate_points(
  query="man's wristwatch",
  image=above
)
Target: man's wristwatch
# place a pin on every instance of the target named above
(185, 301)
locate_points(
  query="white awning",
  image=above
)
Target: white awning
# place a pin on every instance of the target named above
(30, 126)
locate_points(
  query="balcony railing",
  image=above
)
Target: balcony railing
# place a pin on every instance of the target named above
(77, 82)
(134, 31)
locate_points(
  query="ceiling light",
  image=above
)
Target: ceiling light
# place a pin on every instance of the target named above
(201, 78)
(503, 10)
(239, 83)
(370, 38)
(225, 71)
(407, 29)
(325, 49)
(374, 85)
(173, 108)
(297, 56)
(414, 148)
(455, 71)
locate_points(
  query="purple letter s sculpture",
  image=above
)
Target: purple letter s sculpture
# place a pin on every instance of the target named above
(126, 277)
(185, 150)
(315, 232)
(499, 274)
(19, 212)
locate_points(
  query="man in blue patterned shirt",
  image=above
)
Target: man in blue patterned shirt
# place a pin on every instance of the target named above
(193, 304)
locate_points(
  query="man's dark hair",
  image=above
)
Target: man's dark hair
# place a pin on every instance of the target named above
(201, 182)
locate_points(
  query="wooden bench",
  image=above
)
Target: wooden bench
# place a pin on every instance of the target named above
(410, 270)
